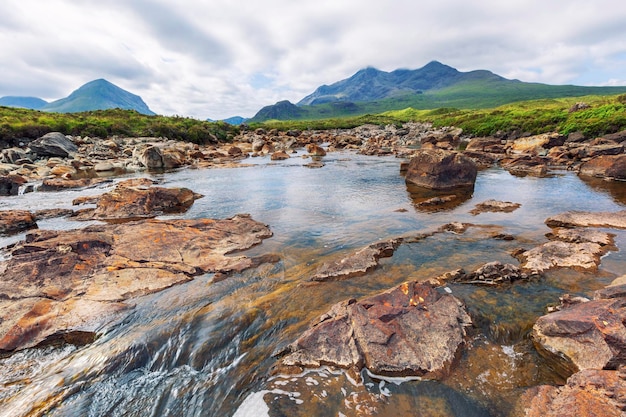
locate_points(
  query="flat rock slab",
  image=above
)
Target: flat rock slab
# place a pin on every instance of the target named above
(16, 221)
(587, 393)
(495, 206)
(412, 329)
(588, 335)
(104, 265)
(569, 248)
(135, 199)
(357, 263)
(616, 220)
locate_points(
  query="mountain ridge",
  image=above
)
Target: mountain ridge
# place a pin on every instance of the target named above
(435, 85)
(98, 94)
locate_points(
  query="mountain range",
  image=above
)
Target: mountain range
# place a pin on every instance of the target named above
(435, 85)
(95, 95)
(369, 90)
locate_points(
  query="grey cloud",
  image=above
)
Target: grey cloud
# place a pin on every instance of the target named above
(179, 34)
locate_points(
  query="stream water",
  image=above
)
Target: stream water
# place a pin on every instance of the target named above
(206, 348)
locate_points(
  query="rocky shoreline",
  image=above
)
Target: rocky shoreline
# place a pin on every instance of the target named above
(62, 286)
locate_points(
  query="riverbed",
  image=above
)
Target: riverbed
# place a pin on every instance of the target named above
(207, 347)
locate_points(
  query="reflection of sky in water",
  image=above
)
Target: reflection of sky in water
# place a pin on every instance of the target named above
(351, 201)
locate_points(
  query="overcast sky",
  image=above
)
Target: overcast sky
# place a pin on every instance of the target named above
(220, 58)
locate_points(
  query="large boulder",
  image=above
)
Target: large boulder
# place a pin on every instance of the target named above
(53, 144)
(64, 284)
(10, 184)
(609, 167)
(412, 329)
(441, 170)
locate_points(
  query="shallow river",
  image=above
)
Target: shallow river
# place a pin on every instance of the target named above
(206, 348)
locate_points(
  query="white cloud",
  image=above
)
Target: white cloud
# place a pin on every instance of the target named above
(222, 58)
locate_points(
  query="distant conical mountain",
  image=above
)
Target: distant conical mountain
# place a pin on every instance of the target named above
(34, 103)
(435, 85)
(98, 95)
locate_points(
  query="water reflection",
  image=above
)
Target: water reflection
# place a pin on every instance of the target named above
(616, 189)
(427, 200)
(205, 348)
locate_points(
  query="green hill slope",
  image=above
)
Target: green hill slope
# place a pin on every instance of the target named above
(98, 95)
(436, 85)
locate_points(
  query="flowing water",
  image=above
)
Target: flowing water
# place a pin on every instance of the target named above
(206, 348)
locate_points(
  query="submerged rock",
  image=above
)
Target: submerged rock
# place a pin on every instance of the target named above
(63, 282)
(357, 263)
(441, 170)
(587, 393)
(409, 330)
(492, 273)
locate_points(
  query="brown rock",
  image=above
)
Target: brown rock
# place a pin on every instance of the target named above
(60, 183)
(315, 150)
(587, 393)
(441, 170)
(537, 143)
(133, 202)
(616, 220)
(409, 330)
(495, 206)
(70, 280)
(279, 156)
(609, 167)
(588, 335)
(486, 145)
(16, 221)
(525, 165)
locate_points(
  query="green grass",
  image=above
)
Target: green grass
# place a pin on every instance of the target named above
(607, 114)
(18, 123)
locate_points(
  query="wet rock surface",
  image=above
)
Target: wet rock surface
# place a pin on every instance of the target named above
(16, 221)
(58, 283)
(587, 335)
(587, 393)
(495, 206)
(357, 263)
(137, 198)
(412, 329)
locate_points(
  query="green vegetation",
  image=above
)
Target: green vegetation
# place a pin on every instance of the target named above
(16, 123)
(606, 114)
